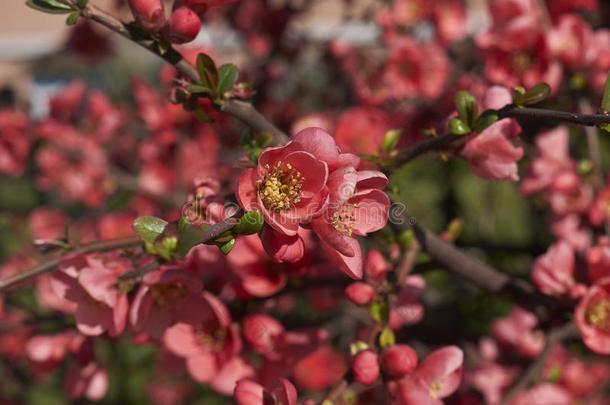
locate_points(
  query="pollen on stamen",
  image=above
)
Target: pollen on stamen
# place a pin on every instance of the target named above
(598, 314)
(280, 189)
(344, 218)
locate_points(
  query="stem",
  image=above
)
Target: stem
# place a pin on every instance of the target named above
(243, 111)
(533, 371)
(593, 146)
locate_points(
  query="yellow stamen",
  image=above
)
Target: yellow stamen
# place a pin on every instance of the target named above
(598, 314)
(280, 189)
(344, 218)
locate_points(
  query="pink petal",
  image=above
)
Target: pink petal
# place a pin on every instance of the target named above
(352, 266)
(371, 212)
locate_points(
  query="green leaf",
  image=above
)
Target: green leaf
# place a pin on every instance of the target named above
(250, 223)
(163, 46)
(406, 238)
(49, 6)
(228, 246)
(380, 311)
(486, 119)
(198, 89)
(390, 140)
(227, 76)
(149, 228)
(606, 98)
(458, 127)
(188, 237)
(519, 96)
(207, 71)
(73, 18)
(536, 94)
(466, 106)
(82, 3)
(386, 338)
(358, 347)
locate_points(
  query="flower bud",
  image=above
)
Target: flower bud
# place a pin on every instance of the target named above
(398, 360)
(366, 367)
(184, 25)
(261, 332)
(360, 293)
(150, 14)
(248, 392)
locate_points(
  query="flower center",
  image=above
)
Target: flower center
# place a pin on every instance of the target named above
(344, 218)
(598, 314)
(165, 295)
(280, 188)
(213, 338)
(435, 389)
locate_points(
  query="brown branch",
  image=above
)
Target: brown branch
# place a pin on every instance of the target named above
(243, 111)
(532, 373)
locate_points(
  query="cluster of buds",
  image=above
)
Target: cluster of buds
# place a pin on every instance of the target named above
(184, 23)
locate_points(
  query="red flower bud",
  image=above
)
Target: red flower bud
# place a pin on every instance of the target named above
(150, 14)
(366, 367)
(261, 332)
(398, 360)
(184, 25)
(360, 293)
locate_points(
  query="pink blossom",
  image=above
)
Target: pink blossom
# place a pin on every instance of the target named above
(65, 105)
(86, 380)
(361, 130)
(320, 369)
(553, 273)
(210, 345)
(571, 42)
(366, 367)
(376, 266)
(90, 282)
(47, 224)
(14, 142)
(491, 379)
(543, 394)
(570, 229)
(248, 392)
(518, 330)
(150, 14)
(360, 293)
(592, 317)
(598, 260)
(408, 308)
(491, 154)
(356, 206)
(263, 333)
(184, 25)
(398, 360)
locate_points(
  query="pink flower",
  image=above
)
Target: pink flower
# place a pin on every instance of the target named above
(150, 14)
(598, 260)
(248, 392)
(320, 369)
(491, 154)
(517, 330)
(553, 159)
(90, 282)
(66, 103)
(376, 266)
(283, 248)
(357, 206)
(553, 273)
(592, 317)
(491, 379)
(437, 377)
(166, 296)
(570, 229)
(47, 224)
(360, 293)
(366, 367)
(415, 70)
(408, 308)
(543, 394)
(86, 380)
(398, 360)
(14, 142)
(571, 42)
(257, 275)
(262, 333)
(361, 130)
(210, 344)
(288, 186)
(48, 351)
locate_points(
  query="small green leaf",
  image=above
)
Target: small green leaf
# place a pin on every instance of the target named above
(188, 236)
(386, 338)
(458, 127)
(82, 3)
(466, 106)
(49, 6)
(149, 228)
(163, 46)
(250, 223)
(198, 89)
(379, 311)
(485, 120)
(536, 94)
(406, 238)
(605, 107)
(207, 71)
(228, 246)
(390, 140)
(227, 76)
(358, 347)
(519, 96)
(73, 18)
(167, 247)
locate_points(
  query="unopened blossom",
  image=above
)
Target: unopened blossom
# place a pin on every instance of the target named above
(150, 14)
(366, 367)
(398, 360)
(248, 392)
(184, 25)
(360, 293)
(518, 330)
(320, 369)
(553, 273)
